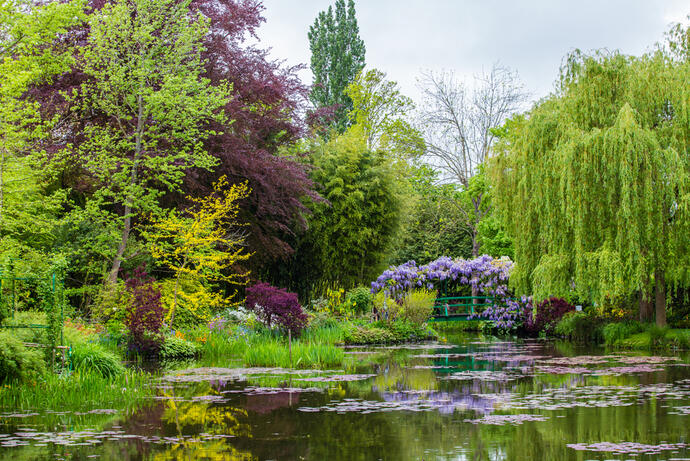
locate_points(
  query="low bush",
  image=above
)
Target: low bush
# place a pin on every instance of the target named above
(177, 348)
(615, 332)
(679, 339)
(322, 320)
(386, 308)
(92, 357)
(17, 362)
(579, 326)
(657, 336)
(367, 335)
(239, 315)
(145, 314)
(548, 313)
(111, 302)
(276, 307)
(359, 300)
(418, 305)
(381, 332)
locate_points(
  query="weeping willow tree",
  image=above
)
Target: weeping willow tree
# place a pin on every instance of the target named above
(593, 182)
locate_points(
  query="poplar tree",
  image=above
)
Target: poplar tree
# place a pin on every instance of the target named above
(593, 183)
(337, 56)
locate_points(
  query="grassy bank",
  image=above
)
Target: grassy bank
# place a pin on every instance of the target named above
(314, 348)
(84, 390)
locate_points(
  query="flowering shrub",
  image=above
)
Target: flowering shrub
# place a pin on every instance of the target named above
(218, 325)
(488, 275)
(548, 313)
(507, 316)
(145, 313)
(276, 307)
(196, 302)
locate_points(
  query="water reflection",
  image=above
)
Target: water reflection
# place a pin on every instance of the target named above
(472, 399)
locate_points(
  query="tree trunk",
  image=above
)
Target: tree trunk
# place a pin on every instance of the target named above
(177, 284)
(660, 297)
(2, 182)
(475, 244)
(174, 306)
(117, 262)
(475, 254)
(127, 224)
(645, 306)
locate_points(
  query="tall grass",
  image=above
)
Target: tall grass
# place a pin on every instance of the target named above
(260, 347)
(94, 358)
(82, 390)
(223, 345)
(304, 355)
(332, 334)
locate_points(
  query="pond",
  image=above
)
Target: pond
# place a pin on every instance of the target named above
(469, 398)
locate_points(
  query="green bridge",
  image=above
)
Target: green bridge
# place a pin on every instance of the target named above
(453, 308)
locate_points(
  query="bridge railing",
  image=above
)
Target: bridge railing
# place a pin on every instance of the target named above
(461, 305)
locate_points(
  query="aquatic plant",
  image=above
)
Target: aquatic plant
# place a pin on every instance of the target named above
(304, 355)
(81, 390)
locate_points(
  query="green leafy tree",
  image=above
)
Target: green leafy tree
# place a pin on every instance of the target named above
(380, 110)
(28, 57)
(593, 184)
(148, 105)
(435, 226)
(337, 56)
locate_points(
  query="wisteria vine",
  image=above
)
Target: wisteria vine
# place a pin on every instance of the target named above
(485, 275)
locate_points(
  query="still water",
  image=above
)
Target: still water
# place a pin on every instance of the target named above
(467, 399)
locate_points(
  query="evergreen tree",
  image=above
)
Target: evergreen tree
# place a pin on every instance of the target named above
(337, 56)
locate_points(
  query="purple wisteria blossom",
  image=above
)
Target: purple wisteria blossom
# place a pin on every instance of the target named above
(485, 275)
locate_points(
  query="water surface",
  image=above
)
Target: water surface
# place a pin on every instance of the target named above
(467, 399)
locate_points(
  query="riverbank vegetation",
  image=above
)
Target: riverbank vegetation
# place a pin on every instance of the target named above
(157, 204)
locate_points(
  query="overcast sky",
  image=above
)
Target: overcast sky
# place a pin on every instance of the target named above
(403, 37)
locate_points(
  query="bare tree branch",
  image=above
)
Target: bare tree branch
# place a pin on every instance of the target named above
(457, 120)
(457, 124)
